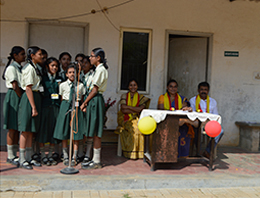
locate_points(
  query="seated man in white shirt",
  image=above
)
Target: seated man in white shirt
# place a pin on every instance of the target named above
(203, 103)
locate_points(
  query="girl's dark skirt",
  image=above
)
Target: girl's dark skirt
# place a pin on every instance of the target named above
(48, 121)
(94, 117)
(10, 110)
(62, 128)
(25, 120)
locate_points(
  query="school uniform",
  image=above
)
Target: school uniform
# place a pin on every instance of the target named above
(50, 108)
(62, 74)
(96, 106)
(25, 120)
(12, 100)
(62, 128)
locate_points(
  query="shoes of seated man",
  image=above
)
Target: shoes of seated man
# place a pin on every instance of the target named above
(91, 165)
(14, 161)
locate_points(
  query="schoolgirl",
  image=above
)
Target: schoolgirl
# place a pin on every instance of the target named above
(62, 128)
(86, 78)
(64, 59)
(30, 106)
(50, 110)
(12, 76)
(94, 106)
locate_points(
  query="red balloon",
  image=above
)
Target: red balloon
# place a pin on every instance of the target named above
(213, 128)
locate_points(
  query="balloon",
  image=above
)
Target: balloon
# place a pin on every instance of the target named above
(172, 109)
(213, 128)
(147, 125)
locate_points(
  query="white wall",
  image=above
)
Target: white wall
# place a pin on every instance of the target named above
(235, 27)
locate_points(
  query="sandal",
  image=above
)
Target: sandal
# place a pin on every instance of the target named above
(91, 165)
(80, 159)
(45, 161)
(14, 161)
(26, 165)
(73, 162)
(52, 161)
(86, 159)
(66, 161)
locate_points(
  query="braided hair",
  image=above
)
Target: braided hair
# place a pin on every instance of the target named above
(14, 50)
(30, 51)
(101, 53)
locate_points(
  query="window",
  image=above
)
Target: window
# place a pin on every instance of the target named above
(135, 58)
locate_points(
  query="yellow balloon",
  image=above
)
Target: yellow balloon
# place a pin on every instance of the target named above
(147, 125)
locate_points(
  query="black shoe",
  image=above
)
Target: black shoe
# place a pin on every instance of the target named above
(66, 161)
(73, 162)
(45, 161)
(56, 157)
(52, 161)
(37, 157)
(91, 165)
(26, 165)
(80, 159)
(14, 161)
(35, 163)
(86, 159)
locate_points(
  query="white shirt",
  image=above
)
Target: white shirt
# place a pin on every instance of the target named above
(13, 73)
(64, 90)
(203, 105)
(30, 77)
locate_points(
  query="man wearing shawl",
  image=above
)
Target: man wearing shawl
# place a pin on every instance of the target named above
(203, 103)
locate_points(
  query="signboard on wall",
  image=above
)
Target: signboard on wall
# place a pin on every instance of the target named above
(231, 53)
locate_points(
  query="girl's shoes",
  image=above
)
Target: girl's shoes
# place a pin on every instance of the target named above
(52, 161)
(26, 165)
(35, 163)
(14, 161)
(45, 161)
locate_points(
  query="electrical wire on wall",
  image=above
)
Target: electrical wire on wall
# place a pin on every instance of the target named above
(93, 11)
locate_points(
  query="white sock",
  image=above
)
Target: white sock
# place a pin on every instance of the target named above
(21, 155)
(10, 151)
(28, 153)
(96, 155)
(75, 154)
(65, 153)
(89, 146)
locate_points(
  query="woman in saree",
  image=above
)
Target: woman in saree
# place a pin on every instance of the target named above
(171, 99)
(131, 105)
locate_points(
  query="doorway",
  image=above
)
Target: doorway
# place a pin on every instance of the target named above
(188, 61)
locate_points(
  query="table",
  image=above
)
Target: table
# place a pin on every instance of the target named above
(165, 137)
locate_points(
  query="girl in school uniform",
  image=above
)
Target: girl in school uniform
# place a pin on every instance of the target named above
(29, 107)
(87, 80)
(62, 128)
(94, 106)
(50, 110)
(12, 76)
(64, 59)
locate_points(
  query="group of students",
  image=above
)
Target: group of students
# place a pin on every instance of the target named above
(39, 100)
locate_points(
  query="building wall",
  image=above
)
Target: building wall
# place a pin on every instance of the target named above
(235, 27)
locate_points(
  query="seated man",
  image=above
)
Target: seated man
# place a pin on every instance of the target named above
(203, 103)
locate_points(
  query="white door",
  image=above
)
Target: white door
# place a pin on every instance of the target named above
(56, 39)
(187, 63)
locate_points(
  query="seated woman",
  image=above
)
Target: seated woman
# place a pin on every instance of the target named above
(172, 99)
(132, 103)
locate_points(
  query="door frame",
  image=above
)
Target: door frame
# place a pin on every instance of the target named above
(194, 34)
